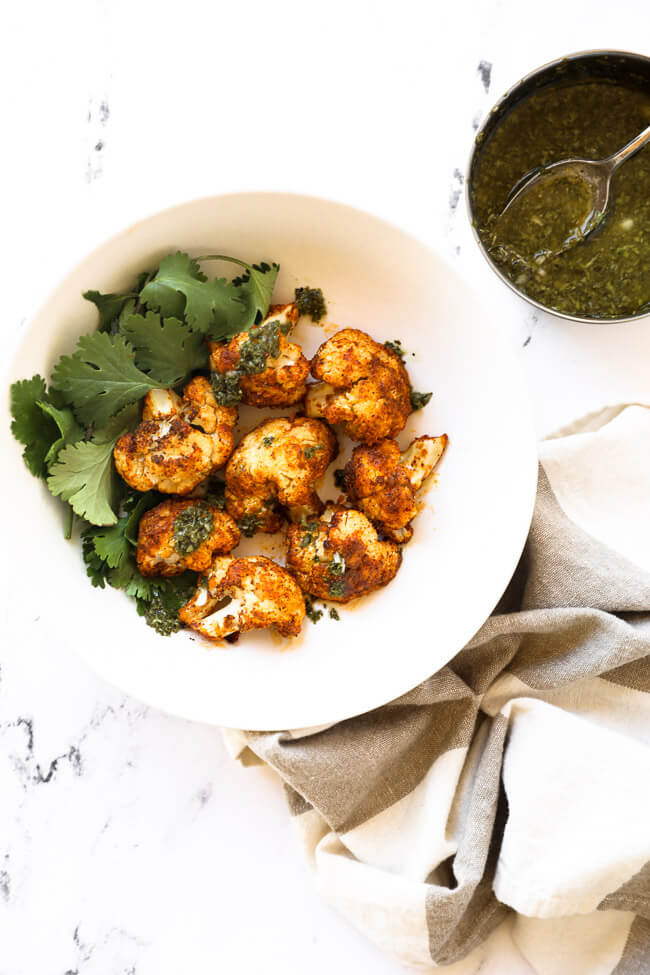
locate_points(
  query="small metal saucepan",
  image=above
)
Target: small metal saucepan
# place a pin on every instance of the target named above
(621, 66)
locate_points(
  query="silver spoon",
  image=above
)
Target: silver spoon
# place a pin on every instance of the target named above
(596, 172)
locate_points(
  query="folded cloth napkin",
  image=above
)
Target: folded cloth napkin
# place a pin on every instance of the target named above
(517, 778)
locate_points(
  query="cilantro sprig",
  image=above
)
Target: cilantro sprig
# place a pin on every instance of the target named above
(218, 308)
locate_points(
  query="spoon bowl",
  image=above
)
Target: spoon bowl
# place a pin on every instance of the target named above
(592, 177)
(588, 171)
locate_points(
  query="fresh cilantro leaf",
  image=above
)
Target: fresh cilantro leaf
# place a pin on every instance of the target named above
(219, 308)
(41, 423)
(165, 348)
(128, 578)
(180, 287)
(30, 426)
(83, 473)
(141, 503)
(69, 429)
(96, 570)
(109, 307)
(101, 377)
(258, 282)
(111, 543)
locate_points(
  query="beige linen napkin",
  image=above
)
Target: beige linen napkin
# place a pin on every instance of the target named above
(517, 778)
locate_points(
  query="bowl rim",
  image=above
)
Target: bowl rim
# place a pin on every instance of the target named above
(577, 55)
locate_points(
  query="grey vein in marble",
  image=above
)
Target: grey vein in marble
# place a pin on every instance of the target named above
(485, 73)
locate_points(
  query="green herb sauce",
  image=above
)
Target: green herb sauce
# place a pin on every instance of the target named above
(419, 400)
(160, 609)
(262, 344)
(310, 301)
(336, 571)
(226, 389)
(336, 588)
(545, 220)
(311, 450)
(608, 274)
(396, 346)
(216, 495)
(249, 525)
(311, 612)
(191, 528)
(158, 616)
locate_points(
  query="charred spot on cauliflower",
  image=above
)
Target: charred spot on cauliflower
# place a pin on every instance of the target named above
(183, 533)
(340, 556)
(245, 594)
(383, 482)
(363, 385)
(260, 367)
(273, 471)
(180, 441)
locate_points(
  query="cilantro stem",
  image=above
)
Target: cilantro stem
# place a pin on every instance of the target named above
(221, 257)
(67, 524)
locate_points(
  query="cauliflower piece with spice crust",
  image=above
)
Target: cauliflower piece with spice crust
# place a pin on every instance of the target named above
(339, 556)
(260, 367)
(179, 442)
(245, 594)
(183, 533)
(364, 386)
(275, 467)
(382, 482)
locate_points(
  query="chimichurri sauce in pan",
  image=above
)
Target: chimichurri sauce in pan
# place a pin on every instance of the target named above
(607, 275)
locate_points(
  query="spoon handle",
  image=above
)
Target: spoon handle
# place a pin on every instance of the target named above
(638, 142)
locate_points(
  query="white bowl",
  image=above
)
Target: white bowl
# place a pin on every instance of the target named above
(467, 539)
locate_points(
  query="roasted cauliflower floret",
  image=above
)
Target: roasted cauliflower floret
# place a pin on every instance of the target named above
(245, 594)
(273, 472)
(382, 482)
(260, 367)
(339, 556)
(181, 534)
(179, 442)
(364, 386)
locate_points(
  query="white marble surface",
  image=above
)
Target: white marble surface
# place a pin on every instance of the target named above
(130, 844)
